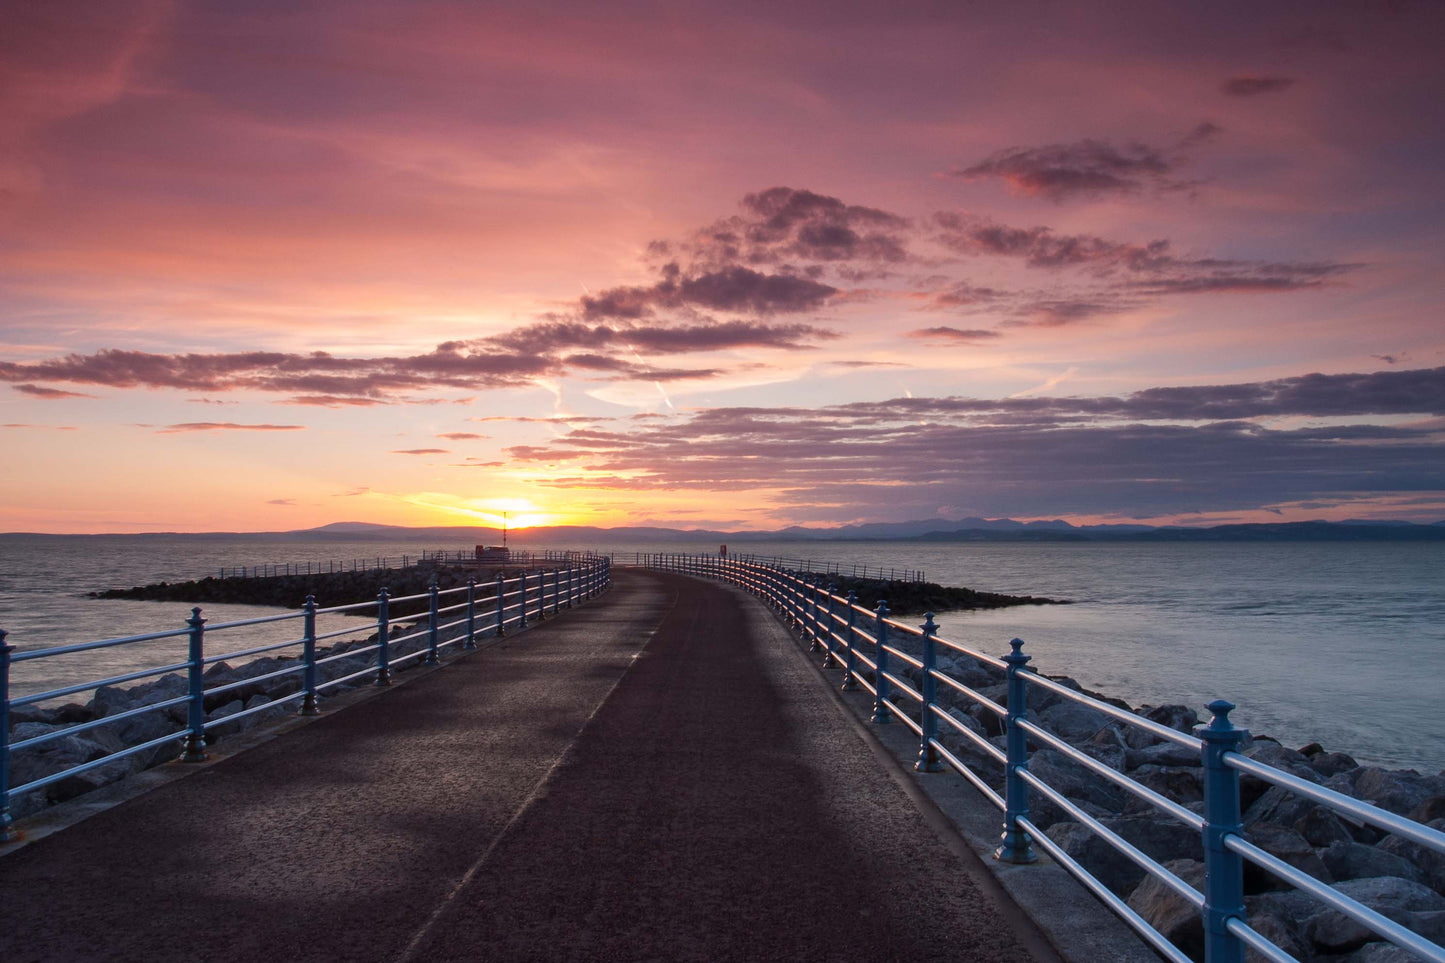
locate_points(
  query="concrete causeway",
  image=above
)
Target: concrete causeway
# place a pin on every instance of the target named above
(659, 775)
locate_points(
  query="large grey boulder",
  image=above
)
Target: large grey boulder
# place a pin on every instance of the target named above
(1182, 784)
(1163, 753)
(1177, 919)
(1179, 717)
(1071, 721)
(1398, 791)
(1395, 898)
(1327, 763)
(1159, 836)
(1075, 780)
(1352, 860)
(1320, 825)
(1290, 847)
(1380, 953)
(1429, 863)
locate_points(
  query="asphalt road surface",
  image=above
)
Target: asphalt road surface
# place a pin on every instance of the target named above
(660, 775)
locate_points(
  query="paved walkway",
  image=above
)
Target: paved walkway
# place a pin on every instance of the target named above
(658, 776)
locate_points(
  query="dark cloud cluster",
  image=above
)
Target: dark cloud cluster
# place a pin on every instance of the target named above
(549, 348)
(1089, 167)
(731, 287)
(734, 289)
(49, 394)
(1133, 270)
(912, 457)
(797, 231)
(1245, 86)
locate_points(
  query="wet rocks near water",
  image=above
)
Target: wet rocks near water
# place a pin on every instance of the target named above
(329, 588)
(1393, 876)
(915, 598)
(265, 700)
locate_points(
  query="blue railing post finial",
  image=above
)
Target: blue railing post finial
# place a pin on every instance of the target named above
(927, 753)
(195, 749)
(308, 653)
(850, 651)
(1016, 846)
(1223, 869)
(383, 637)
(882, 712)
(6, 833)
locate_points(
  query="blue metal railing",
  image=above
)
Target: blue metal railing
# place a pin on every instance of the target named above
(455, 617)
(848, 634)
(389, 563)
(811, 566)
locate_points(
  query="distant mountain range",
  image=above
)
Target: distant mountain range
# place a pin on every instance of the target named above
(923, 530)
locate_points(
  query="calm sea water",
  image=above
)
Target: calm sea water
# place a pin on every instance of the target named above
(1341, 643)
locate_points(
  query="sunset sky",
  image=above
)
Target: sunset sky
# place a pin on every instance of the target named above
(266, 266)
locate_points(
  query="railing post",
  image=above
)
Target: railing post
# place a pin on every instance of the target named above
(927, 754)
(308, 702)
(810, 615)
(433, 618)
(1017, 847)
(829, 660)
(6, 833)
(523, 607)
(556, 590)
(195, 748)
(471, 642)
(850, 652)
(501, 605)
(571, 588)
(1223, 869)
(383, 637)
(882, 712)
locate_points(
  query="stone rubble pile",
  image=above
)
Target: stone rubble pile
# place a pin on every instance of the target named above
(1399, 879)
(58, 755)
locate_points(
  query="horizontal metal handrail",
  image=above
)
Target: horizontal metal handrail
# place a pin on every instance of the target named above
(843, 630)
(87, 686)
(424, 635)
(978, 740)
(976, 696)
(259, 620)
(255, 650)
(1123, 715)
(252, 680)
(109, 720)
(972, 653)
(25, 655)
(1251, 938)
(1090, 882)
(1383, 925)
(243, 713)
(1190, 818)
(1121, 845)
(960, 767)
(105, 760)
(1374, 815)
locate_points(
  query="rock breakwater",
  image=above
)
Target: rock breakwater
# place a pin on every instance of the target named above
(273, 692)
(915, 598)
(338, 588)
(1391, 875)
